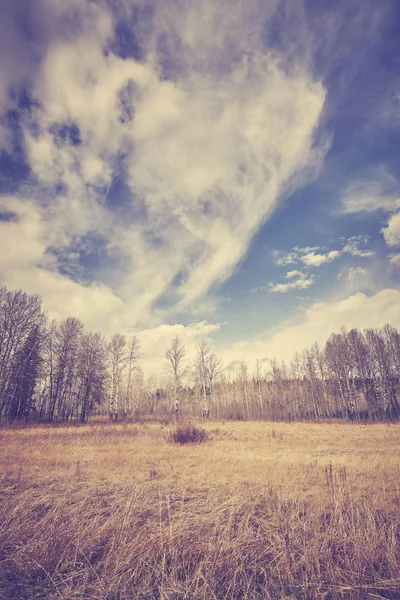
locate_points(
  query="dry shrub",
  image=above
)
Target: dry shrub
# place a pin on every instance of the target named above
(188, 433)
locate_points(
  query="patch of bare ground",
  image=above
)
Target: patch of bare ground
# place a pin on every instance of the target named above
(258, 511)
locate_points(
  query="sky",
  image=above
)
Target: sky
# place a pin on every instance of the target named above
(222, 170)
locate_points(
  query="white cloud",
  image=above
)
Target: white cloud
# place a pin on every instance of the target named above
(22, 240)
(282, 260)
(357, 252)
(317, 323)
(372, 195)
(369, 196)
(293, 273)
(395, 259)
(208, 154)
(25, 263)
(306, 249)
(311, 259)
(308, 256)
(313, 256)
(154, 342)
(211, 161)
(302, 282)
(356, 279)
(391, 232)
(353, 247)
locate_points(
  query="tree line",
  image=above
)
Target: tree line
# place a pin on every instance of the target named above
(57, 371)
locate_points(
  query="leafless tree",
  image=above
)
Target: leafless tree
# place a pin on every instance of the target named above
(61, 372)
(118, 359)
(132, 365)
(24, 376)
(20, 315)
(63, 345)
(207, 367)
(258, 378)
(92, 373)
(243, 379)
(176, 366)
(384, 370)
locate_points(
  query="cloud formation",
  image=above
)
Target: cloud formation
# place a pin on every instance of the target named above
(372, 195)
(391, 232)
(308, 256)
(382, 194)
(156, 340)
(169, 161)
(298, 281)
(356, 246)
(155, 139)
(395, 259)
(312, 257)
(317, 323)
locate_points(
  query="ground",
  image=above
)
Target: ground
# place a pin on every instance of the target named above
(260, 510)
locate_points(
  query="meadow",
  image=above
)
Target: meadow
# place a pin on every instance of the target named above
(258, 511)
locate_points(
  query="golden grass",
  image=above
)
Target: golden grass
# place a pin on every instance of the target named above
(261, 510)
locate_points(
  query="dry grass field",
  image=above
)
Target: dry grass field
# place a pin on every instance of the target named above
(259, 511)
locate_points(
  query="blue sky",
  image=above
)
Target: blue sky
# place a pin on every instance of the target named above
(224, 170)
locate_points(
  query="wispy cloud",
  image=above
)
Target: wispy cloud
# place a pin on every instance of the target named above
(355, 279)
(310, 256)
(312, 259)
(204, 154)
(382, 193)
(301, 282)
(284, 259)
(370, 196)
(314, 256)
(317, 323)
(356, 247)
(395, 259)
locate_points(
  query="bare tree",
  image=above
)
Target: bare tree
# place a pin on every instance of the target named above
(62, 352)
(201, 371)
(20, 314)
(313, 382)
(384, 368)
(92, 373)
(244, 385)
(176, 366)
(132, 360)
(339, 362)
(117, 358)
(258, 377)
(62, 372)
(25, 373)
(214, 372)
(207, 367)
(363, 367)
(297, 388)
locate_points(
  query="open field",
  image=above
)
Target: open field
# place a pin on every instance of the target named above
(260, 510)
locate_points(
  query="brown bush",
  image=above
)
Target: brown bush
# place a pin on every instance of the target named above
(188, 434)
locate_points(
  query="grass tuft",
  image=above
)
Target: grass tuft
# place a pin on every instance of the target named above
(188, 434)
